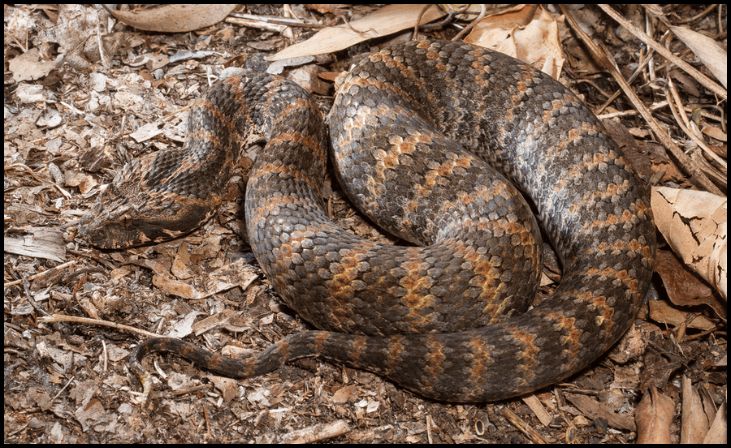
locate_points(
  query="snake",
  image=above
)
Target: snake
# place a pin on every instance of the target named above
(468, 157)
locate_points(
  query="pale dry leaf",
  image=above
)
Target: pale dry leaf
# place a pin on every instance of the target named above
(228, 387)
(214, 321)
(387, 20)
(654, 417)
(717, 434)
(694, 225)
(184, 326)
(711, 54)
(29, 66)
(174, 18)
(527, 32)
(693, 422)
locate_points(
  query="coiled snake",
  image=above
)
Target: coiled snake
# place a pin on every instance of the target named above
(412, 128)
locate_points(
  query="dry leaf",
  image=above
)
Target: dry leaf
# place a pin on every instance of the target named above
(174, 18)
(717, 433)
(708, 50)
(387, 20)
(684, 288)
(529, 33)
(654, 416)
(205, 284)
(214, 321)
(694, 225)
(345, 394)
(228, 387)
(694, 424)
(661, 312)
(29, 67)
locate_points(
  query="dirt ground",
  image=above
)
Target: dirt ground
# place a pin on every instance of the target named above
(74, 115)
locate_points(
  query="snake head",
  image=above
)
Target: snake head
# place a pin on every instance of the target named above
(132, 212)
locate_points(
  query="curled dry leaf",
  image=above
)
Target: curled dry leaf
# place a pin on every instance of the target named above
(529, 33)
(694, 224)
(174, 18)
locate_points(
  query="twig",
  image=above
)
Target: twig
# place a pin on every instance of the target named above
(465, 30)
(317, 432)
(684, 124)
(644, 63)
(523, 427)
(700, 77)
(604, 58)
(56, 318)
(418, 21)
(266, 26)
(31, 300)
(698, 16)
(278, 20)
(626, 113)
(42, 275)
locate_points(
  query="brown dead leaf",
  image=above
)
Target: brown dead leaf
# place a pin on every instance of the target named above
(654, 416)
(345, 394)
(694, 225)
(527, 32)
(324, 8)
(174, 18)
(661, 312)
(83, 181)
(684, 288)
(387, 20)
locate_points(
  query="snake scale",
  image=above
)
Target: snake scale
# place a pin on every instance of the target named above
(425, 136)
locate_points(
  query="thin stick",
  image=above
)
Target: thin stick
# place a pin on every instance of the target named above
(55, 318)
(465, 30)
(601, 56)
(316, 433)
(700, 77)
(43, 274)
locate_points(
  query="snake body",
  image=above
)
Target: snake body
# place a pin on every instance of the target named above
(425, 136)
